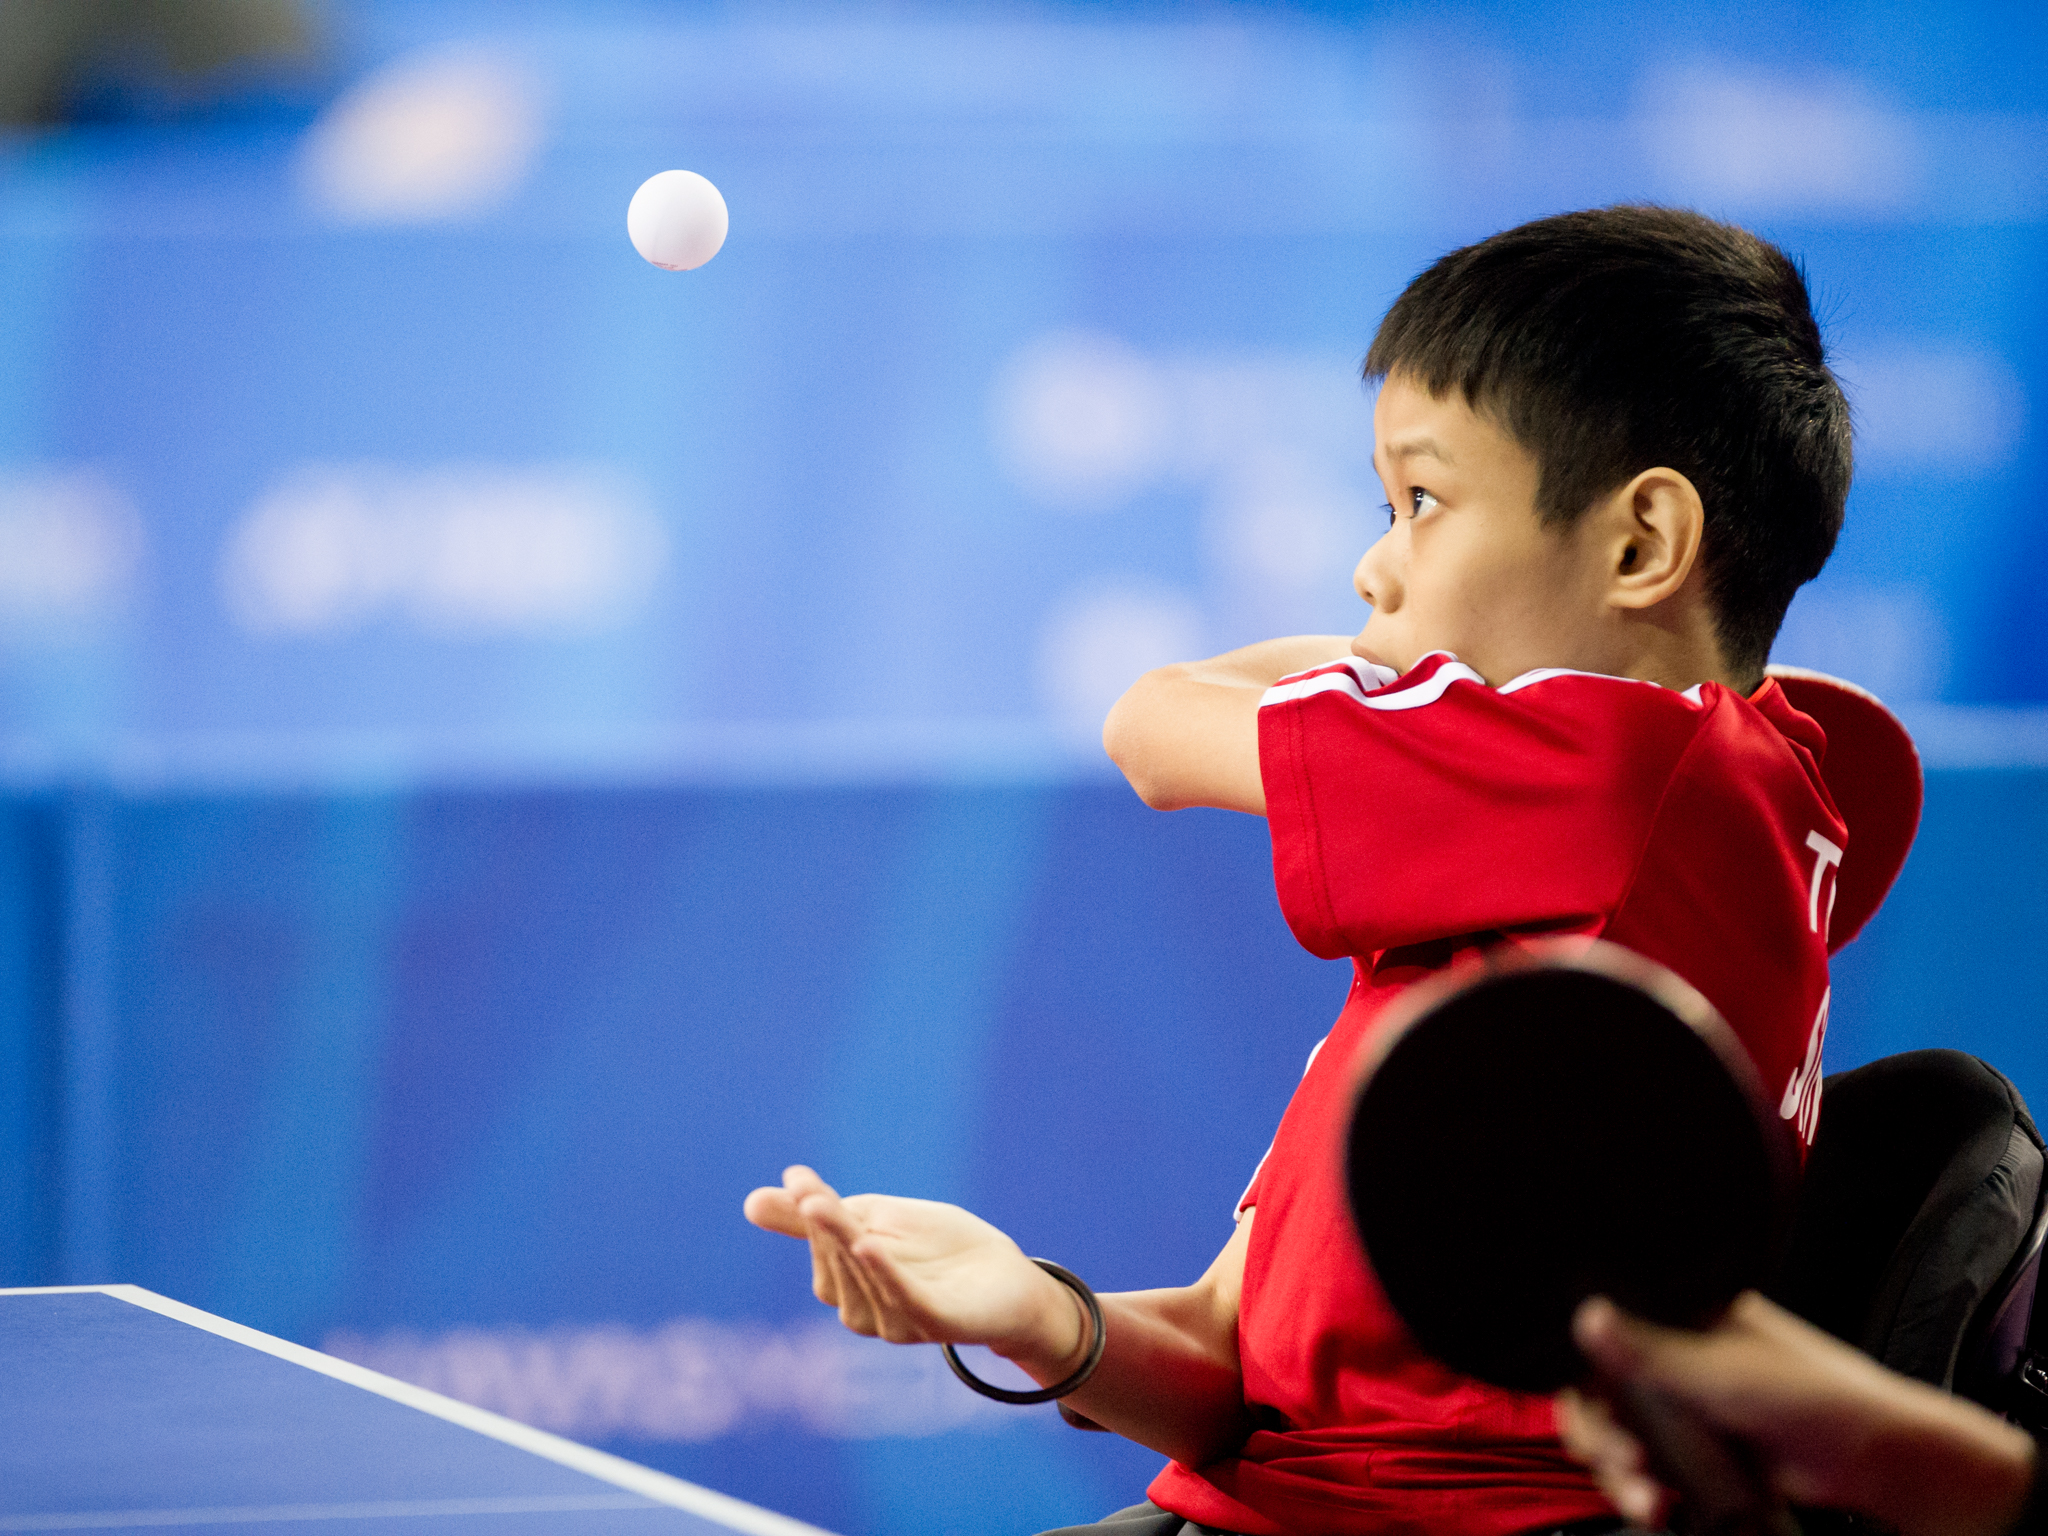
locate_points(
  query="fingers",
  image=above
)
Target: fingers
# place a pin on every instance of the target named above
(909, 1271)
(837, 1278)
(850, 1286)
(806, 1206)
(818, 1205)
(773, 1210)
(832, 1231)
(779, 1209)
(1624, 1348)
(801, 1181)
(1616, 1343)
(1614, 1456)
(826, 1212)
(1715, 1373)
(899, 1317)
(828, 1282)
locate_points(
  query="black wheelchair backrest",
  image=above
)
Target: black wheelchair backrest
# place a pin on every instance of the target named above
(1920, 1225)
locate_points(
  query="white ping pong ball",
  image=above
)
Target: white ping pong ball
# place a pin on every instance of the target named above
(677, 220)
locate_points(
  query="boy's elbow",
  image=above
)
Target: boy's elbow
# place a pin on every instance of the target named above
(1130, 737)
(1156, 793)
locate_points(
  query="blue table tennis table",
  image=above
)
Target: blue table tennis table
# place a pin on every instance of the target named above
(121, 1410)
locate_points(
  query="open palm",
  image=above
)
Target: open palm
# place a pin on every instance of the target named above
(917, 1271)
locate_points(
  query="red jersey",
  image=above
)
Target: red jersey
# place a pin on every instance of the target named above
(1419, 818)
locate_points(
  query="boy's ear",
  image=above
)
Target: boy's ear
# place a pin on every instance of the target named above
(1651, 529)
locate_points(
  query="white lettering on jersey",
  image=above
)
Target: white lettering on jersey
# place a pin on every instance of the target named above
(1826, 856)
(1801, 1103)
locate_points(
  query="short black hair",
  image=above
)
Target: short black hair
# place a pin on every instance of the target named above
(1615, 340)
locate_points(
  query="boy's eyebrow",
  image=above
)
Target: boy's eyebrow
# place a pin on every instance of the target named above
(1416, 447)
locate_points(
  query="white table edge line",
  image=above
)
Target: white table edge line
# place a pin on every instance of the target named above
(734, 1513)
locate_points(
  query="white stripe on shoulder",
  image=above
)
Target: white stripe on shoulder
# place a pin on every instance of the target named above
(1348, 679)
(1544, 674)
(1369, 676)
(1372, 685)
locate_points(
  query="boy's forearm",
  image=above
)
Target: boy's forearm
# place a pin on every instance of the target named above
(1169, 1377)
(1189, 734)
(1262, 665)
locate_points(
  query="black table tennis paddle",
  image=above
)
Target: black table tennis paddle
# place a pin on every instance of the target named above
(1565, 1121)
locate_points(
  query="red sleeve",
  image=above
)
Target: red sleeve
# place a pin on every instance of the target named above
(1434, 806)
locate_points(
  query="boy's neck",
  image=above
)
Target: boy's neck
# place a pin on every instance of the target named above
(1683, 666)
(1675, 645)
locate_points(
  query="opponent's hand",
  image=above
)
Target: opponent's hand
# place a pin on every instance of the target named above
(922, 1272)
(1829, 1426)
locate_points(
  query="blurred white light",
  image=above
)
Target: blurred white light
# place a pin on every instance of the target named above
(1891, 640)
(1918, 409)
(1287, 523)
(1099, 641)
(1082, 420)
(689, 1379)
(69, 543)
(1236, 413)
(430, 136)
(1280, 538)
(1777, 141)
(461, 551)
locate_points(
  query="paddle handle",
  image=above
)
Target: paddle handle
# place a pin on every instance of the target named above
(1720, 1490)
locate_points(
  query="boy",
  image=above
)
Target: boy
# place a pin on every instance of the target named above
(1612, 452)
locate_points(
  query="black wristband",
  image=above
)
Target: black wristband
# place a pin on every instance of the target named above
(1058, 1389)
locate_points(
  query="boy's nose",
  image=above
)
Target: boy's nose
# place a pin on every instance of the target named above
(1374, 579)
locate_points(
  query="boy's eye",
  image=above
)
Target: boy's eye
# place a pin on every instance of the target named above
(1419, 502)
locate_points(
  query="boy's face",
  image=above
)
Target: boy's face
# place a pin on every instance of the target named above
(1465, 566)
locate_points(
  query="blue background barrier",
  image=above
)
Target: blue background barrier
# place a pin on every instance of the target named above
(502, 748)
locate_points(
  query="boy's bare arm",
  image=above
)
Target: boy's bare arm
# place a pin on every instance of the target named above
(1170, 1377)
(916, 1271)
(1188, 734)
